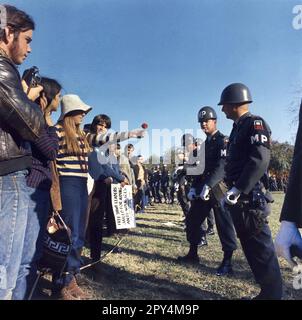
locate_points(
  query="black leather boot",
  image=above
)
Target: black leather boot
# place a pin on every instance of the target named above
(225, 267)
(191, 257)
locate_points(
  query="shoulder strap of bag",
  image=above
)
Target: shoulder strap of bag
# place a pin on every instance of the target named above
(55, 192)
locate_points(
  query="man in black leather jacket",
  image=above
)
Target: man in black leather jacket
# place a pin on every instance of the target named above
(21, 122)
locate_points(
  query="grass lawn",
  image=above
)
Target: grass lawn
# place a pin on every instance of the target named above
(146, 267)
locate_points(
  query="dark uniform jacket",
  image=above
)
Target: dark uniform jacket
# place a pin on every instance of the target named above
(164, 178)
(292, 206)
(151, 178)
(215, 154)
(248, 153)
(157, 178)
(20, 120)
(179, 175)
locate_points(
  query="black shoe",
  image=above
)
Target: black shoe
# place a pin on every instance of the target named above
(203, 242)
(210, 231)
(224, 269)
(267, 295)
(189, 259)
(259, 296)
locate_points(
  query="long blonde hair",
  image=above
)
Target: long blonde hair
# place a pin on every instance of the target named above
(74, 137)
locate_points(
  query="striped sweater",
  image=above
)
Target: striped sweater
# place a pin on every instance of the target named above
(96, 140)
(71, 164)
(44, 150)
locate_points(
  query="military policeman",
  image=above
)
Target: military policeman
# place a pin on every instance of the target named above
(180, 182)
(194, 166)
(206, 189)
(247, 161)
(157, 184)
(165, 183)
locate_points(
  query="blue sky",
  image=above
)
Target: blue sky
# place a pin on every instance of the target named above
(159, 61)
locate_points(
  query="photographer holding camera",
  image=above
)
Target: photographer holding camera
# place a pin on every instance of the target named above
(39, 180)
(21, 122)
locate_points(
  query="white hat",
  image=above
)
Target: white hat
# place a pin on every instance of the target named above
(72, 102)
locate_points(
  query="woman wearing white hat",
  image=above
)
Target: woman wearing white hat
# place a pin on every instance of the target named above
(72, 165)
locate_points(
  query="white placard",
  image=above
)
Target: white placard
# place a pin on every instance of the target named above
(122, 204)
(90, 184)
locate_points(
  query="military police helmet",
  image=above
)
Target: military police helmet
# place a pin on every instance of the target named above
(187, 139)
(206, 113)
(235, 93)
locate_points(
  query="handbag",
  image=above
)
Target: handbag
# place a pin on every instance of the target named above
(56, 245)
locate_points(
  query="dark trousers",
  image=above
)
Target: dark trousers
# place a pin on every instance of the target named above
(259, 250)
(183, 200)
(74, 203)
(96, 219)
(139, 199)
(100, 206)
(165, 192)
(153, 193)
(209, 221)
(199, 211)
(157, 194)
(172, 192)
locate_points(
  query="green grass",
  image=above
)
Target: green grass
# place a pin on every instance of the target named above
(147, 267)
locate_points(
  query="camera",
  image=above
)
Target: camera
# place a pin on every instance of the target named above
(32, 77)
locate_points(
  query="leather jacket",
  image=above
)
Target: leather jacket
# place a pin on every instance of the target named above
(21, 120)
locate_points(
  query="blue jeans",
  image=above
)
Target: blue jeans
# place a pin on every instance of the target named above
(74, 203)
(14, 201)
(38, 210)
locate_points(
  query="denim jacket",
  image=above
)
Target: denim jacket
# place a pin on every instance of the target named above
(102, 166)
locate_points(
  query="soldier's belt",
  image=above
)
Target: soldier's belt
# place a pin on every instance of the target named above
(219, 190)
(231, 184)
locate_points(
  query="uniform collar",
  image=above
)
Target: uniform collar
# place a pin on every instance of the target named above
(213, 136)
(245, 115)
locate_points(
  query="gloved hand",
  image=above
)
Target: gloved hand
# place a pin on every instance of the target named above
(287, 236)
(232, 196)
(205, 193)
(192, 194)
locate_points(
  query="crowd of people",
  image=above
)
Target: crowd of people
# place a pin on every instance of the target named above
(278, 182)
(44, 168)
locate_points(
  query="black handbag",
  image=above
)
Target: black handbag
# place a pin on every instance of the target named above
(56, 245)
